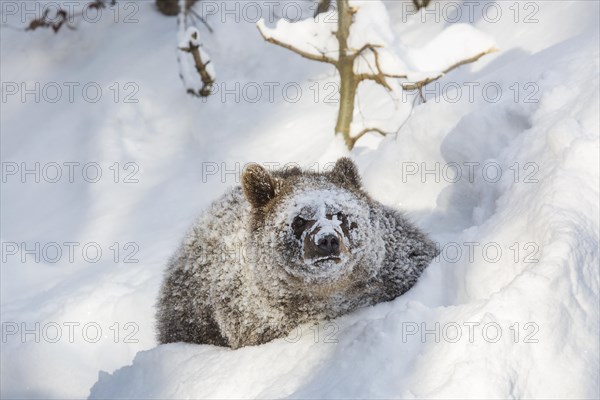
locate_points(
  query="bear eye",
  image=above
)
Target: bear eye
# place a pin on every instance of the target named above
(298, 223)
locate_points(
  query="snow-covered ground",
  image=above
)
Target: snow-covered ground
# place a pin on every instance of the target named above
(509, 309)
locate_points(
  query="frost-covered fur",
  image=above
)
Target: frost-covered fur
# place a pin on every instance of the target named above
(284, 249)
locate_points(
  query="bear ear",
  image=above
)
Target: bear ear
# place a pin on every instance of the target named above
(258, 185)
(345, 172)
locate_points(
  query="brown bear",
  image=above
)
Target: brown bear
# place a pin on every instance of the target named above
(283, 249)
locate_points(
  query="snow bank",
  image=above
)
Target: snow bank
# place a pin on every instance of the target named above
(520, 341)
(544, 303)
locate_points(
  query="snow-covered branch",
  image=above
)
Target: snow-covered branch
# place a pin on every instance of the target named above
(359, 50)
(208, 80)
(199, 84)
(314, 57)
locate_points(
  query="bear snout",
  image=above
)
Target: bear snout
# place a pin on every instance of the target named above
(328, 245)
(322, 245)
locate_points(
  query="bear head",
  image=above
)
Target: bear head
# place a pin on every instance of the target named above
(312, 227)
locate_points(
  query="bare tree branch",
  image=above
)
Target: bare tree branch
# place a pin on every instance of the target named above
(346, 65)
(470, 60)
(193, 47)
(62, 17)
(207, 80)
(305, 54)
(199, 17)
(420, 84)
(365, 131)
(421, 3)
(377, 76)
(367, 46)
(172, 8)
(322, 7)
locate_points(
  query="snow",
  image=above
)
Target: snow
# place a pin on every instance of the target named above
(304, 34)
(546, 216)
(455, 43)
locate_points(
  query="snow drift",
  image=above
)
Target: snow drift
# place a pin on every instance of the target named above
(509, 309)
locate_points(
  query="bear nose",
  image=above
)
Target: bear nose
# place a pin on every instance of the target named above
(329, 245)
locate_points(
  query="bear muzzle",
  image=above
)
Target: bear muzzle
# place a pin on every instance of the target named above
(322, 246)
(328, 246)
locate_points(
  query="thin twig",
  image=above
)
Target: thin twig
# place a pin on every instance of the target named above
(377, 76)
(195, 14)
(420, 84)
(305, 54)
(365, 131)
